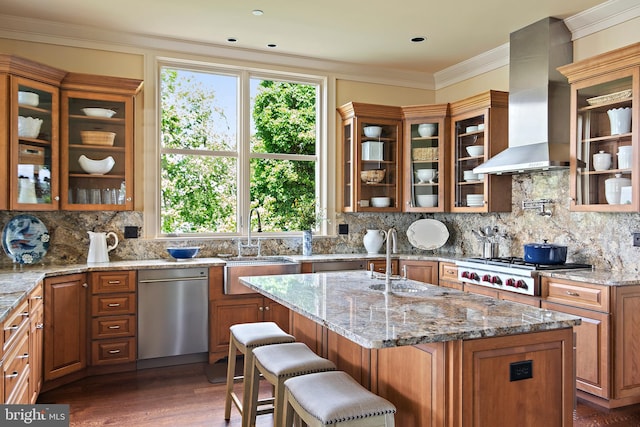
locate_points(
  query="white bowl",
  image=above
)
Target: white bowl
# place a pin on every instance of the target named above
(96, 167)
(28, 98)
(98, 112)
(427, 129)
(426, 175)
(470, 176)
(29, 127)
(380, 202)
(475, 150)
(372, 131)
(427, 200)
(475, 200)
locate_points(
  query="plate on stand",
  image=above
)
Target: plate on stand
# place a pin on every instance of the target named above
(427, 234)
(25, 239)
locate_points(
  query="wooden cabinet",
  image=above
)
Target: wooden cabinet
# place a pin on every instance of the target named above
(228, 310)
(503, 295)
(113, 317)
(380, 265)
(97, 116)
(605, 89)
(29, 123)
(16, 359)
(363, 154)
(479, 122)
(606, 340)
(448, 276)
(36, 342)
(422, 271)
(426, 158)
(65, 319)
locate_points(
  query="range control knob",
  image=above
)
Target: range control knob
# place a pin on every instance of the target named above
(465, 274)
(487, 278)
(511, 282)
(521, 284)
(474, 276)
(496, 280)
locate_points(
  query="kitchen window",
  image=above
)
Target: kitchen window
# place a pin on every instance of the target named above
(232, 140)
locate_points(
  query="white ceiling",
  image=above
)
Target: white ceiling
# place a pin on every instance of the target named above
(373, 33)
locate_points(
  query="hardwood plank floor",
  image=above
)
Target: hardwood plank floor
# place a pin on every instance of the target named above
(183, 396)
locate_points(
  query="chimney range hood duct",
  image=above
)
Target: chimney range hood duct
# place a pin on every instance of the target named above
(539, 101)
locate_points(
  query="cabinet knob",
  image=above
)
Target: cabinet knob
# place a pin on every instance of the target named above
(39, 326)
(84, 285)
(56, 198)
(266, 308)
(261, 308)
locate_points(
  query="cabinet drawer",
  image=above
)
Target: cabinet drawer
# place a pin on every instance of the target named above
(113, 327)
(113, 351)
(117, 281)
(17, 321)
(577, 294)
(16, 365)
(448, 272)
(105, 305)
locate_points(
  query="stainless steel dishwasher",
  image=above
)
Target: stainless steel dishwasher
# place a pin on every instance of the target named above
(172, 314)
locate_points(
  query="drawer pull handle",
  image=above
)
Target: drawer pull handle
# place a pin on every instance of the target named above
(37, 297)
(114, 282)
(114, 351)
(113, 305)
(39, 326)
(24, 356)
(12, 328)
(573, 294)
(114, 327)
(15, 374)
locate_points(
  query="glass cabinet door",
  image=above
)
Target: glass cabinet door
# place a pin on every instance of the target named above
(469, 152)
(378, 160)
(348, 166)
(425, 174)
(603, 153)
(95, 151)
(34, 145)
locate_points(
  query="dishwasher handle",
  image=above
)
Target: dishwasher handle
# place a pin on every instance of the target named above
(179, 279)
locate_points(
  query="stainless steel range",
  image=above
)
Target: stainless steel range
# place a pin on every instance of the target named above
(508, 274)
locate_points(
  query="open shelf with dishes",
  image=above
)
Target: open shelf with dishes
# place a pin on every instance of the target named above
(97, 142)
(604, 131)
(371, 158)
(426, 133)
(479, 130)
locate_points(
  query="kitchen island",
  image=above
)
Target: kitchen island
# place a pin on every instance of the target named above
(443, 357)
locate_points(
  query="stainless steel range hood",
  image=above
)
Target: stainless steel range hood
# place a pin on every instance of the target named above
(539, 98)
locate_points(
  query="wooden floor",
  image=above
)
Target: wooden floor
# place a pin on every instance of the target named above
(183, 396)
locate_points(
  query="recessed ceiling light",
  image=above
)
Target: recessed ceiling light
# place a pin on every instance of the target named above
(272, 45)
(257, 12)
(418, 39)
(232, 39)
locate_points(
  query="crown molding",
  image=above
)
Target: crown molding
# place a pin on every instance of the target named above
(598, 18)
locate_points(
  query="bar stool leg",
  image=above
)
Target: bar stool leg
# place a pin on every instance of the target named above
(231, 369)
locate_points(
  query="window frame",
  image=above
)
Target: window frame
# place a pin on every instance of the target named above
(244, 73)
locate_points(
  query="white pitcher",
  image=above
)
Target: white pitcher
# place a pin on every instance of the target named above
(98, 249)
(373, 240)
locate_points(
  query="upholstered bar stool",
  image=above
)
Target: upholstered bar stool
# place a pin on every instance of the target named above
(277, 363)
(245, 338)
(336, 399)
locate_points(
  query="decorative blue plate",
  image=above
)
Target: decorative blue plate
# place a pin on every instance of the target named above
(25, 239)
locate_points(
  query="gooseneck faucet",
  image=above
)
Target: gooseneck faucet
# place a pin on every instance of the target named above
(391, 240)
(249, 243)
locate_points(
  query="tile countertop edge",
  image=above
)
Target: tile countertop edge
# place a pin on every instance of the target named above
(418, 316)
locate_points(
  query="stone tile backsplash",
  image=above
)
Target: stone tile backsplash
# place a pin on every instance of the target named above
(602, 239)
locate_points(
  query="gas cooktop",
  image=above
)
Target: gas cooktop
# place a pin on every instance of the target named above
(520, 263)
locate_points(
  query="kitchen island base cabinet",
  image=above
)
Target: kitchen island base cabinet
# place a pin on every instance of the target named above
(461, 383)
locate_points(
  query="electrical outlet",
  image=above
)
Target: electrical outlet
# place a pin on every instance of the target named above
(636, 239)
(131, 232)
(343, 228)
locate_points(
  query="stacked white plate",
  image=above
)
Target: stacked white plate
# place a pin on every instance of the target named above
(475, 199)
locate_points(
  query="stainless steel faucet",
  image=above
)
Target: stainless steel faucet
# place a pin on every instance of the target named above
(391, 240)
(249, 244)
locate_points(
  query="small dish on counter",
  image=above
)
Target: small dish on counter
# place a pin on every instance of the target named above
(184, 252)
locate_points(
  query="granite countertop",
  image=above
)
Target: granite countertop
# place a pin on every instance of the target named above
(417, 313)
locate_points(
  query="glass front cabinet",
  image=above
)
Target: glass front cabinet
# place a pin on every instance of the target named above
(426, 158)
(604, 131)
(29, 139)
(371, 157)
(97, 136)
(479, 129)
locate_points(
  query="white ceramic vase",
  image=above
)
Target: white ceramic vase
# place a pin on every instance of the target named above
(373, 241)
